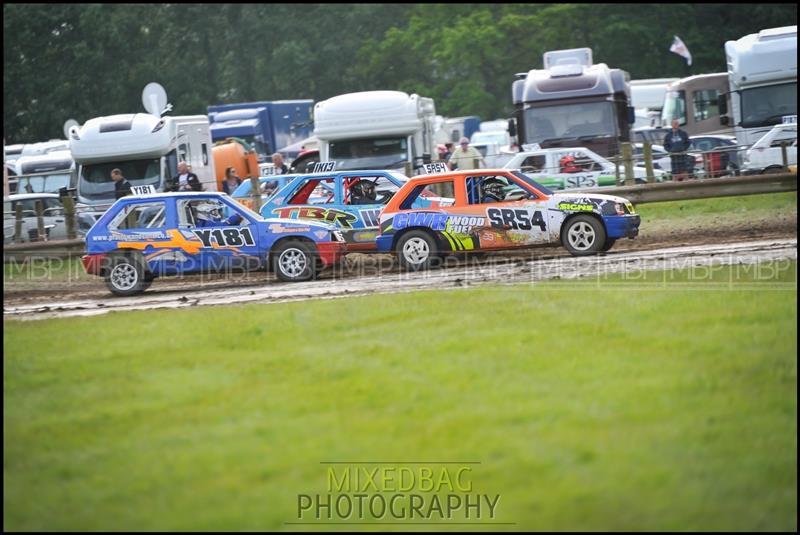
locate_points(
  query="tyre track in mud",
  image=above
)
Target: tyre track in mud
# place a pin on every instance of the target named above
(503, 270)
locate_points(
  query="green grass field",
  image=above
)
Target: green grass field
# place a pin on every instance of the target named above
(711, 213)
(597, 406)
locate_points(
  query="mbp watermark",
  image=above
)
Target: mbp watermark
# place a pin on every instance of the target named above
(398, 493)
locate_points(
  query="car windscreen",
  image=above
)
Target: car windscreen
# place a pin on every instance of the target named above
(570, 121)
(765, 106)
(374, 153)
(95, 179)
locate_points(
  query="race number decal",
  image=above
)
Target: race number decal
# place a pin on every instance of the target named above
(516, 219)
(142, 190)
(227, 237)
(324, 167)
(433, 168)
(267, 169)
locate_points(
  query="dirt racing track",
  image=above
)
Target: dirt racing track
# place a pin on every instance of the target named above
(491, 270)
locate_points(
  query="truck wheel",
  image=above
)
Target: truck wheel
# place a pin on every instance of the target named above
(294, 261)
(416, 250)
(583, 235)
(127, 276)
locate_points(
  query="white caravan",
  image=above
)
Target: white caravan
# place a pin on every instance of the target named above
(145, 147)
(647, 99)
(762, 69)
(375, 130)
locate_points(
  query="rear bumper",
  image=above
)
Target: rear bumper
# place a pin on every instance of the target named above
(331, 252)
(622, 226)
(93, 263)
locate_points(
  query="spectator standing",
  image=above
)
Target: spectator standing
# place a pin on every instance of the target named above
(280, 167)
(466, 157)
(121, 186)
(231, 182)
(676, 142)
(185, 180)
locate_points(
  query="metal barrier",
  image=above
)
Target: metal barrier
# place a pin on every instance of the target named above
(702, 189)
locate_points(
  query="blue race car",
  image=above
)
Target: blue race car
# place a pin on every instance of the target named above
(147, 236)
(351, 200)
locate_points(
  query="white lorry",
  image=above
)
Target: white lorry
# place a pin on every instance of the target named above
(145, 147)
(762, 72)
(376, 130)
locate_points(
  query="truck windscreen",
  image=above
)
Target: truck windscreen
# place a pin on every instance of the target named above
(584, 120)
(378, 153)
(765, 106)
(95, 179)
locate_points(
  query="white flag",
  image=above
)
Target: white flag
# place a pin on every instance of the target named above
(679, 48)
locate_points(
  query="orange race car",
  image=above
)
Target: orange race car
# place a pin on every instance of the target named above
(495, 209)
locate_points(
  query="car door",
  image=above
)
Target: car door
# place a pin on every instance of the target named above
(517, 219)
(225, 238)
(364, 228)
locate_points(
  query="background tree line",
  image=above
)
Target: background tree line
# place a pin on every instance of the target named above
(81, 61)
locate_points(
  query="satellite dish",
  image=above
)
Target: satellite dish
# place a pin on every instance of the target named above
(154, 99)
(69, 125)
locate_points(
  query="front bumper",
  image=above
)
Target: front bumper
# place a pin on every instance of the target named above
(384, 243)
(331, 252)
(93, 263)
(622, 226)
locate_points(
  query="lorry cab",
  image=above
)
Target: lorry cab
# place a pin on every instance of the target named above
(376, 130)
(573, 102)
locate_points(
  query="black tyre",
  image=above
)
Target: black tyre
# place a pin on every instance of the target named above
(294, 261)
(416, 250)
(127, 275)
(608, 245)
(583, 235)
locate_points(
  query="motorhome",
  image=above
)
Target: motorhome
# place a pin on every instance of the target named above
(376, 130)
(43, 173)
(572, 103)
(762, 71)
(647, 99)
(145, 147)
(451, 129)
(699, 103)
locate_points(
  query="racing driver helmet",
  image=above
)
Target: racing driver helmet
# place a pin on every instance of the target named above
(492, 190)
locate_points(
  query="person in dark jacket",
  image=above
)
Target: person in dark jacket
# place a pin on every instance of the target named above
(676, 142)
(185, 180)
(121, 186)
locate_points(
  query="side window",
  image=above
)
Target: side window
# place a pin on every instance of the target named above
(534, 164)
(705, 104)
(205, 153)
(53, 207)
(443, 189)
(145, 215)
(315, 191)
(487, 189)
(183, 153)
(208, 213)
(430, 195)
